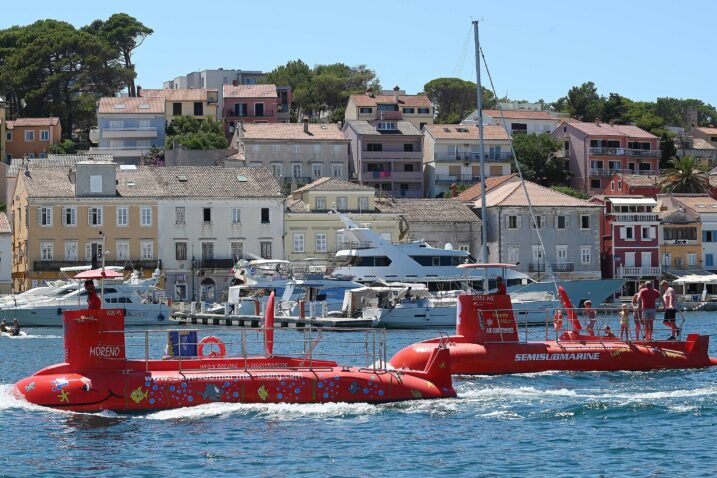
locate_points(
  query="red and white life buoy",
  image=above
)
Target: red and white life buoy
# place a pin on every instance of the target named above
(215, 341)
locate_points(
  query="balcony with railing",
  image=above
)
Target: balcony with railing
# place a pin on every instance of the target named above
(634, 217)
(473, 156)
(627, 271)
(640, 153)
(456, 178)
(145, 132)
(45, 266)
(268, 113)
(398, 155)
(392, 175)
(555, 267)
(122, 151)
(611, 171)
(389, 115)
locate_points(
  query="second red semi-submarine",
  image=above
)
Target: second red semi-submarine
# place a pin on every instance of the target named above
(487, 342)
(96, 374)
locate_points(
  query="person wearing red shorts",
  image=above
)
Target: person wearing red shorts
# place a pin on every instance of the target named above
(648, 301)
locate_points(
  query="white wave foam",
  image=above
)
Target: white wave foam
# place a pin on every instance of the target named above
(502, 415)
(506, 392)
(284, 411)
(9, 400)
(31, 337)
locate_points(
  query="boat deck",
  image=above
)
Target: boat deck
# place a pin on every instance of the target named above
(254, 321)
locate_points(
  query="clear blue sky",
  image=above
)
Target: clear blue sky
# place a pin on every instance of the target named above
(640, 49)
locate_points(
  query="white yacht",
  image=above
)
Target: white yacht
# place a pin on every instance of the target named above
(43, 306)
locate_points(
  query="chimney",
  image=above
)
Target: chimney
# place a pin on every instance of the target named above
(396, 89)
(454, 190)
(369, 92)
(597, 121)
(235, 83)
(139, 90)
(305, 120)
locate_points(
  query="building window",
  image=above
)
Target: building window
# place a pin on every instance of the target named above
(612, 185)
(96, 184)
(43, 155)
(584, 221)
(342, 203)
(363, 204)
(407, 148)
(595, 184)
(147, 248)
(44, 135)
(585, 254)
(316, 170)
(122, 250)
(297, 148)
(179, 215)
(540, 221)
(667, 259)
(8, 136)
(321, 243)
(627, 233)
(691, 259)
(341, 241)
(122, 216)
(337, 170)
(513, 222)
(265, 249)
(365, 110)
(709, 260)
(207, 214)
(180, 251)
(513, 254)
(44, 216)
(265, 217)
(236, 215)
(321, 203)
(561, 222)
(70, 250)
(94, 216)
(298, 242)
(30, 155)
(29, 136)
(145, 216)
(424, 111)
(93, 250)
(46, 251)
(176, 109)
(198, 108)
(409, 110)
(236, 250)
(296, 170)
(374, 147)
(277, 170)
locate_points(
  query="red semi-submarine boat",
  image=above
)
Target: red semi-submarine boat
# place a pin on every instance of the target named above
(96, 374)
(487, 342)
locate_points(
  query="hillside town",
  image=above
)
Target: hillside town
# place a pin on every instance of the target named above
(270, 193)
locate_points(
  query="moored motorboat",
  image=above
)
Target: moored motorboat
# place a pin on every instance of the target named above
(97, 374)
(487, 342)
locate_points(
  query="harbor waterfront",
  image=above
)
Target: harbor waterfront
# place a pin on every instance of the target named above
(609, 423)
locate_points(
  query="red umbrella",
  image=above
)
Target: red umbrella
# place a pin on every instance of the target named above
(99, 274)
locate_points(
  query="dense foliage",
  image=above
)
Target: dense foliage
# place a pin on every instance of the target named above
(537, 158)
(51, 68)
(571, 192)
(454, 99)
(66, 146)
(194, 134)
(322, 88)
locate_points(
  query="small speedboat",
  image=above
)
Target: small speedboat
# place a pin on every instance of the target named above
(21, 333)
(487, 342)
(97, 375)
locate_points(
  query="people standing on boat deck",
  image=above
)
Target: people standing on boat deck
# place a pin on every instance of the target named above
(15, 327)
(591, 314)
(500, 286)
(93, 301)
(624, 323)
(607, 332)
(669, 303)
(637, 312)
(648, 307)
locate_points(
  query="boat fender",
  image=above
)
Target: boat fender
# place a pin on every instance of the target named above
(558, 320)
(59, 311)
(160, 317)
(212, 340)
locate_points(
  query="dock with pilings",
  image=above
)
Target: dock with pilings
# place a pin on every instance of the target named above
(255, 321)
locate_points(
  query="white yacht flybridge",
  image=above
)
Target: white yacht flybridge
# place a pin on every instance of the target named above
(371, 258)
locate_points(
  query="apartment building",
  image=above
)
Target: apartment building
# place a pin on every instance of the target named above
(31, 137)
(393, 105)
(255, 104)
(200, 103)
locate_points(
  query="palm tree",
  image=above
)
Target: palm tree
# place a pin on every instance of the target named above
(685, 175)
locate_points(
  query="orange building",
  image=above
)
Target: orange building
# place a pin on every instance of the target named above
(31, 137)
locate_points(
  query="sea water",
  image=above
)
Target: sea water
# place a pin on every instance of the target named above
(661, 423)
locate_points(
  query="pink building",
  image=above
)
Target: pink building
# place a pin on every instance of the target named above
(255, 104)
(630, 247)
(596, 151)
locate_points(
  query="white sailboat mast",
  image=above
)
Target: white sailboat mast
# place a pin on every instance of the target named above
(481, 150)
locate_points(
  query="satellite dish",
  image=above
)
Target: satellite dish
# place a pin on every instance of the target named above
(448, 246)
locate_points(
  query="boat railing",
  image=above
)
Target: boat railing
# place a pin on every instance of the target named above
(245, 348)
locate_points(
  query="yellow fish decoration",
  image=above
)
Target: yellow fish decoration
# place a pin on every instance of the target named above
(138, 394)
(263, 394)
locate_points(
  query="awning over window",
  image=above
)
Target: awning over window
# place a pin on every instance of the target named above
(633, 201)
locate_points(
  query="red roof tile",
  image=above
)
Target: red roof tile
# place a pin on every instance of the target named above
(51, 121)
(491, 182)
(112, 104)
(513, 194)
(466, 131)
(4, 224)
(606, 129)
(421, 101)
(520, 114)
(250, 91)
(292, 131)
(183, 94)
